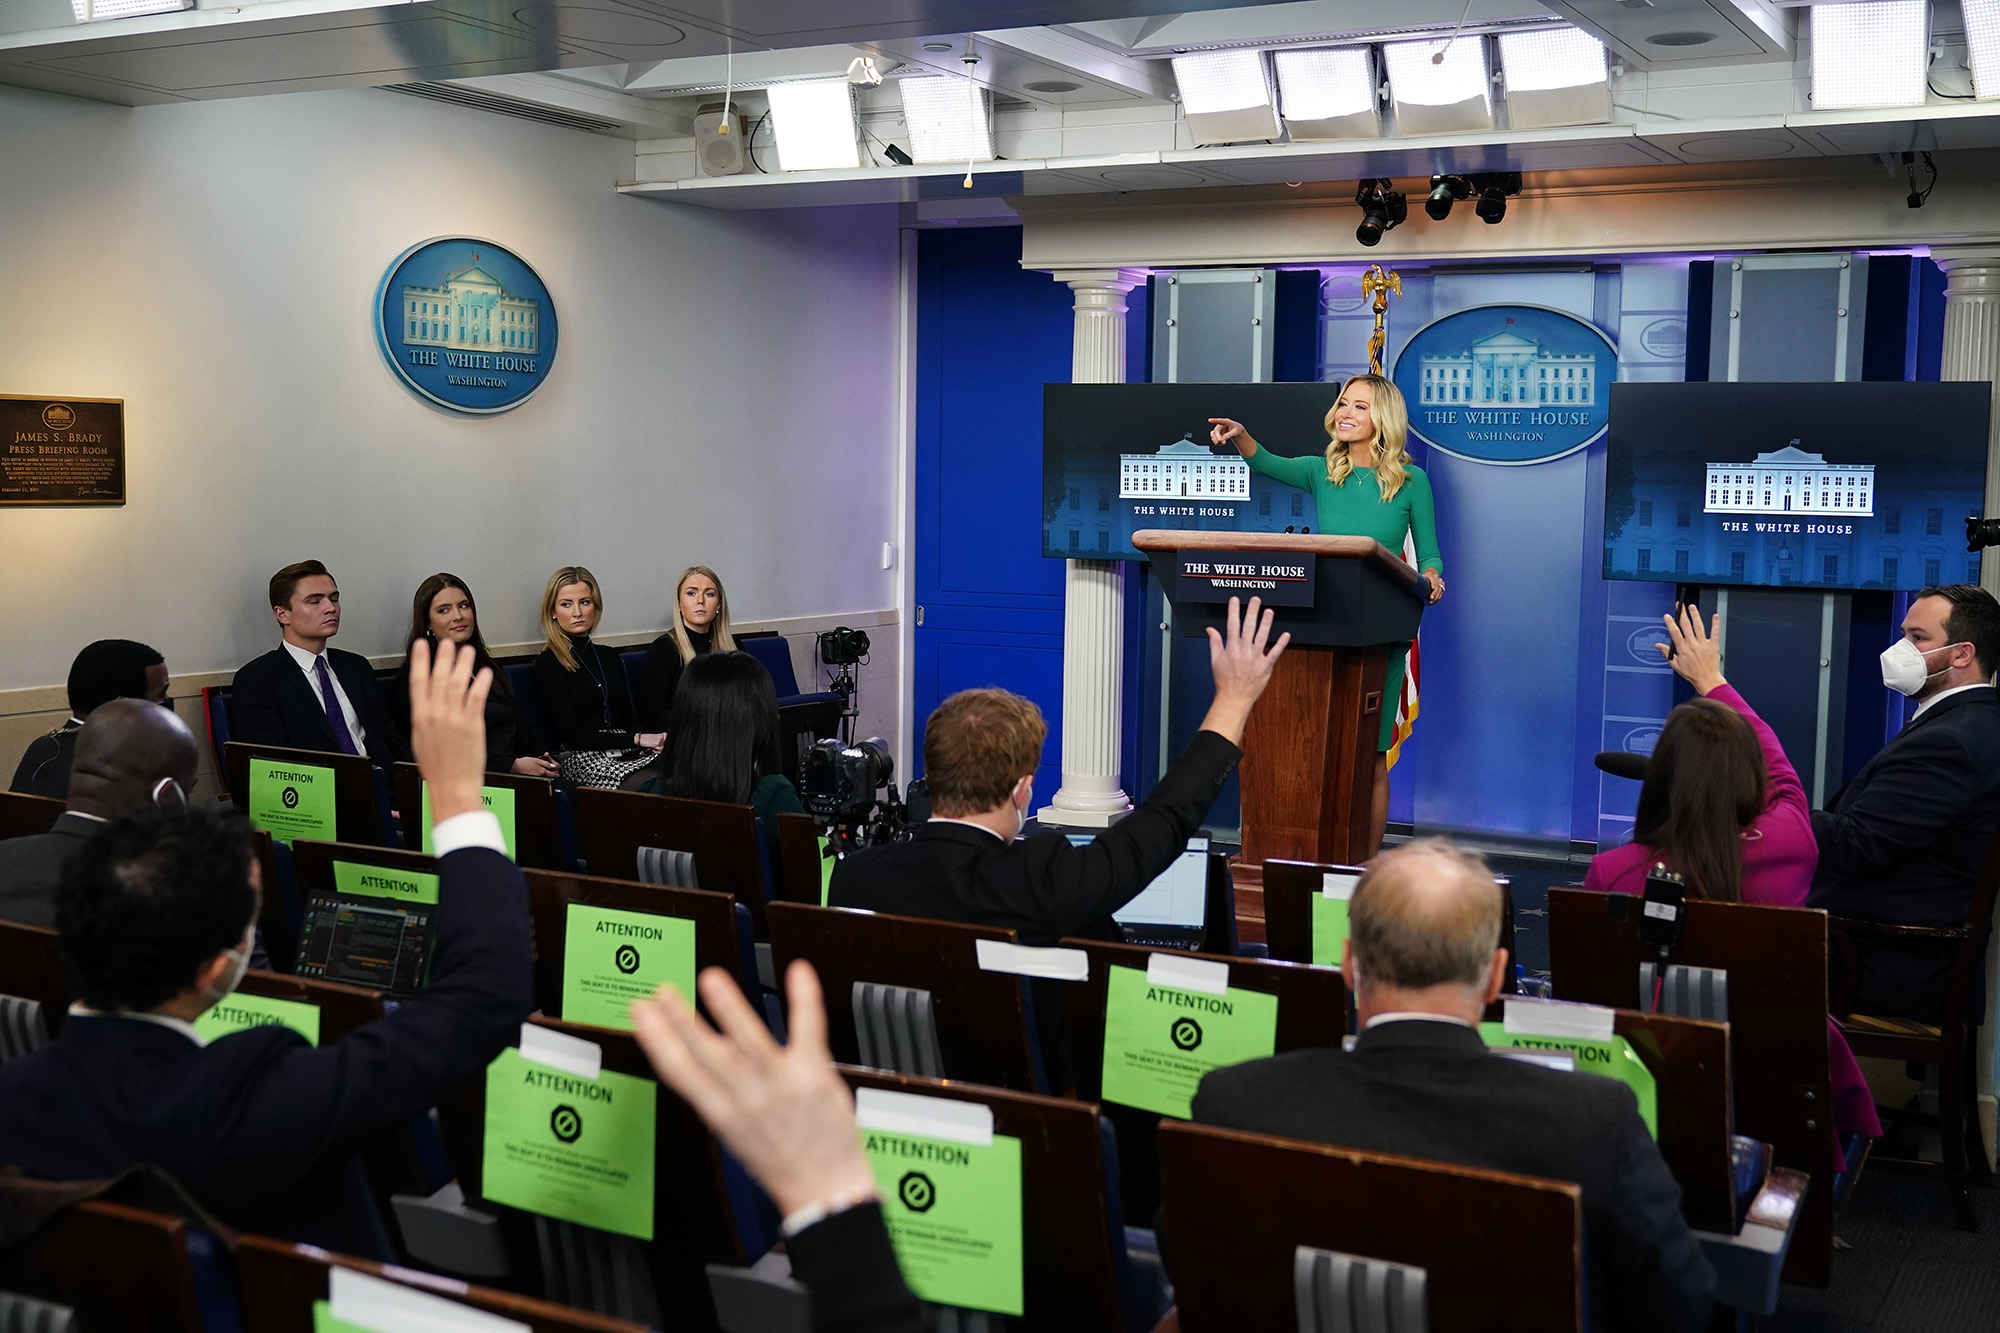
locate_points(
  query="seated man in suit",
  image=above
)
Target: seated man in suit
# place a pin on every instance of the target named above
(106, 670)
(1904, 841)
(981, 749)
(155, 919)
(1422, 961)
(304, 694)
(131, 757)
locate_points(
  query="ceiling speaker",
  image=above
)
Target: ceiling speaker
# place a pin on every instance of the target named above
(716, 153)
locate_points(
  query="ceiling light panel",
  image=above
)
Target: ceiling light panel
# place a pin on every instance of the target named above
(1330, 93)
(1555, 76)
(948, 119)
(814, 123)
(90, 10)
(1440, 96)
(1982, 41)
(1227, 96)
(1871, 54)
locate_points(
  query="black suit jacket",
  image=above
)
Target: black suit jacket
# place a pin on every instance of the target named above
(1432, 1091)
(261, 1128)
(1043, 887)
(857, 1287)
(44, 766)
(271, 704)
(1904, 842)
(32, 867)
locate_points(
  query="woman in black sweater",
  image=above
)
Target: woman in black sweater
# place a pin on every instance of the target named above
(581, 684)
(443, 609)
(701, 625)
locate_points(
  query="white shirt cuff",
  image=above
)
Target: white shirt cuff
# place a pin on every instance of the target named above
(474, 828)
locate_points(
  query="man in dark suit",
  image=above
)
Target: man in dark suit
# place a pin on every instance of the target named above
(155, 920)
(1420, 1083)
(981, 748)
(1904, 841)
(304, 694)
(106, 670)
(131, 756)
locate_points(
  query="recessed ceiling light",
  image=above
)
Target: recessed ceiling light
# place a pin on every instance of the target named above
(1689, 38)
(937, 46)
(1051, 86)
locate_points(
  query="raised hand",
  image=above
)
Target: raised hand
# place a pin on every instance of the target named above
(783, 1110)
(1241, 666)
(1224, 431)
(1696, 654)
(448, 725)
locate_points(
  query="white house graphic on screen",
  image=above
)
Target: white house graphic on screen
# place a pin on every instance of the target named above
(471, 309)
(1791, 481)
(1183, 470)
(1507, 368)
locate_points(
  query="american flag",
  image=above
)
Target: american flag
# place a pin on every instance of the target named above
(1406, 703)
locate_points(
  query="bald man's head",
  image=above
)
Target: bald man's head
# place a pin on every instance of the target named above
(124, 749)
(1426, 914)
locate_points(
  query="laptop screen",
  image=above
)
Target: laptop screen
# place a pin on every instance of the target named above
(381, 945)
(1178, 898)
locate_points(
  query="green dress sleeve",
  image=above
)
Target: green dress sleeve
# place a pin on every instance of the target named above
(1299, 472)
(774, 795)
(1423, 521)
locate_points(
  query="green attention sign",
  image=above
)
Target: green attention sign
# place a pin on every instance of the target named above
(239, 1011)
(1159, 1040)
(499, 800)
(324, 1322)
(566, 1146)
(405, 886)
(291, 800)
(954, 1217)
(611, 958)
(1613, 1059)
(1329, 929)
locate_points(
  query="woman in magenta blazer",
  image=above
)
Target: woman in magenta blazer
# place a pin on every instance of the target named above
(1723, 806)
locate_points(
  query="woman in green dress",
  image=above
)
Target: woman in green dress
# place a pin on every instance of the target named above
(1366, 487)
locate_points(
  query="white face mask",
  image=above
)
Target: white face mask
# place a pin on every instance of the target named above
(1904, 666)
(239, 963)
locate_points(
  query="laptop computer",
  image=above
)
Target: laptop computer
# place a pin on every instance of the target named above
(362, 940)
(1172, 911)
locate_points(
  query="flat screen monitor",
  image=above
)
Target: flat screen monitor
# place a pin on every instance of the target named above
(1863, 485)
(1178, 898)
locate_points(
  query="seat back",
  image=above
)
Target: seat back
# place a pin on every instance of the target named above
(219, 713)
(281, 1282)
(802, 869)
(357, 809)
(33, 970)
(537, 828)
(669, 868)
(1776, 960)
(613, 825)
(981, 1017)
(1070, 1269)
(22, 1032)
(1686, 992)
(551, 895)
(115, 1266)
(896, 1028)
(1312, 1011)
(1237, 1207)
(694, 1220)
(1344, 1293)
(23, 816)
(520, 675)
(25, 1314)
(596, 1270)
(775, 652)
(634, 661)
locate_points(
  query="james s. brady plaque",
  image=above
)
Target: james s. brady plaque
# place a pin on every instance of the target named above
(62, 451)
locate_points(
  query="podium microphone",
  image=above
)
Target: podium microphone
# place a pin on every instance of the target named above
(1624, 764)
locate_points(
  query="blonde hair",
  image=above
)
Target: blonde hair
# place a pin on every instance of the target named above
(553, 633)
(720, 639)
(1392, 435)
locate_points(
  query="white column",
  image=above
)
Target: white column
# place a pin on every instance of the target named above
(1972, 352)
(1093, 591)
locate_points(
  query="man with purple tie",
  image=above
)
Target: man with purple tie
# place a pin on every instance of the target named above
(304, 694)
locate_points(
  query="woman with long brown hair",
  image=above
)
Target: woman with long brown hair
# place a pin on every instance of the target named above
(1723, 808)
(443, 609)
(1364, 486)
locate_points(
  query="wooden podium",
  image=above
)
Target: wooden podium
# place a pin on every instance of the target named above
(1309, 750)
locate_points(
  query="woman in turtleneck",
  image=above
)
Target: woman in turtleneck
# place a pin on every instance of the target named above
(701, 625)
(582, 687)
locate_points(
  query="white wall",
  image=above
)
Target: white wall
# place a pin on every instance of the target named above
(724, 392)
